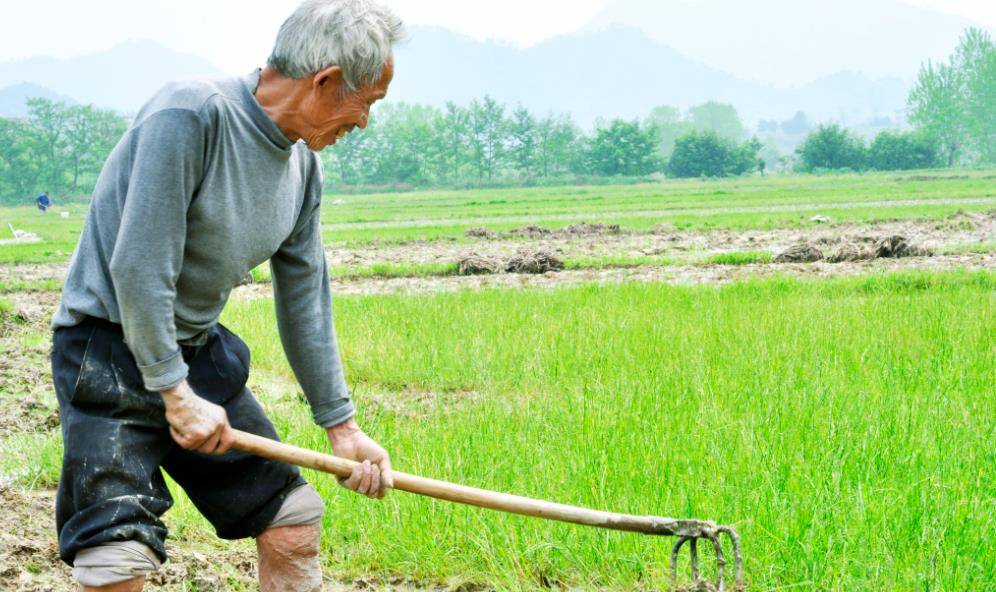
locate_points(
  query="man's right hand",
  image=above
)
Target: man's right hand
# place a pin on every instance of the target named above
(195, 423)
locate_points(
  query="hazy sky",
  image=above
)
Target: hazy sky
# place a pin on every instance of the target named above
(236, 34)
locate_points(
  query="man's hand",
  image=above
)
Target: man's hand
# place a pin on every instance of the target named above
(195, 423)
(372, 477)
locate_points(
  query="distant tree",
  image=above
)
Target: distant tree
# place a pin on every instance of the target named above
(623, 148)
(717, 117)
(453, 142)
(486, 123)
(666, 124)
(798, 125)
(769, 154)
(767, 126)
(953, 102)
(50, 121)
(936, 108)
(20, 164)
(557, 145)
(892, 151)
(831, 147)
(90, 135)
(705, 154)
(975, 58)
(522, 140)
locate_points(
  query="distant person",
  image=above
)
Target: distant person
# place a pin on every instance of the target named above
(44, 202)
(212, 179)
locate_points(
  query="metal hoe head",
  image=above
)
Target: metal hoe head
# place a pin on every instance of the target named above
(691, 531)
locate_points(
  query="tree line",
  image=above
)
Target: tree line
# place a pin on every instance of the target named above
(952, 107)
(60, 148)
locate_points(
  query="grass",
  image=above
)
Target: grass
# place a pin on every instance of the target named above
(48, 285)
(844, 427)
(763, 203)
(58, 235)
(981, 248)
(739, 258)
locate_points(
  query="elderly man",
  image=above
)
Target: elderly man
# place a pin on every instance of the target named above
(212, 179)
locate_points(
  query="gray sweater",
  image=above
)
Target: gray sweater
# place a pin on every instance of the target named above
(203, 188)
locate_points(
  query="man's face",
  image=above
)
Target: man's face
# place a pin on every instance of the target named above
(335, 112)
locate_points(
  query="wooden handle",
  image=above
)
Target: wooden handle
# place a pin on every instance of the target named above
(462, 494)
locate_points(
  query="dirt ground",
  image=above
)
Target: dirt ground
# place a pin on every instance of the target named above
(961, 229)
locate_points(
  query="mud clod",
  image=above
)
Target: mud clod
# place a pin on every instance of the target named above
(530, 231)
(799, 253)
(480, 232)
(475, 264)
(585, 229)
(534, 262)
(898, 246)
(851, 252)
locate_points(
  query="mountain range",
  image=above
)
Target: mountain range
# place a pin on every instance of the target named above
(618, 72)
(121, 78)
(850, 61)
(792, 42)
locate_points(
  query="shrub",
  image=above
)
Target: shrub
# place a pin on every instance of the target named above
(705, 154)
(831, 147)
(896, 151)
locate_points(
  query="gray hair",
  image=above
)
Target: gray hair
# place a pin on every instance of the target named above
(356, 35)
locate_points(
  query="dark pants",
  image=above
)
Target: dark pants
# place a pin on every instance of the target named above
(116, 439)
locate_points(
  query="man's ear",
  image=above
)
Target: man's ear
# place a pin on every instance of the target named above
(328, 79)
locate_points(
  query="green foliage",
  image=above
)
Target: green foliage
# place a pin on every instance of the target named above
(415, 145)
(831, 147)
(667, 125)
(720, 118)
(623, 148)
(705, 154)
(58, 148)
(894, 151)
(954, 102)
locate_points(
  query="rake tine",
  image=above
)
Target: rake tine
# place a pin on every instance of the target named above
(693, 548)
(674, 558)
(720, 562)
(738, 560)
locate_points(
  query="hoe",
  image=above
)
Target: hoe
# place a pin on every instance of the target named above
(687, 531)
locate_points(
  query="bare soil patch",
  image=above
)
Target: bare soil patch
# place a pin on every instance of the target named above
(664, 240)
(672, 274)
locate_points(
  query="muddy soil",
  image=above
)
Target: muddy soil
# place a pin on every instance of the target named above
(674, 274)
(960, 229)
(593, 241)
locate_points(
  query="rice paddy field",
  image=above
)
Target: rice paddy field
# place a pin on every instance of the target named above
(842, 416)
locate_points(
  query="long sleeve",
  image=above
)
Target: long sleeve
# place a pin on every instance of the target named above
(167, 156)
(304, 316)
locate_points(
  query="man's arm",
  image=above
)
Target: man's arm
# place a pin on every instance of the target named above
(166, 165)
(304, 316)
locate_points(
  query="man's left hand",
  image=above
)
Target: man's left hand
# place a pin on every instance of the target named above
(372, 477)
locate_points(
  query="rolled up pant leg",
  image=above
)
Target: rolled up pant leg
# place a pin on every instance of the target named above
(115, 437)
